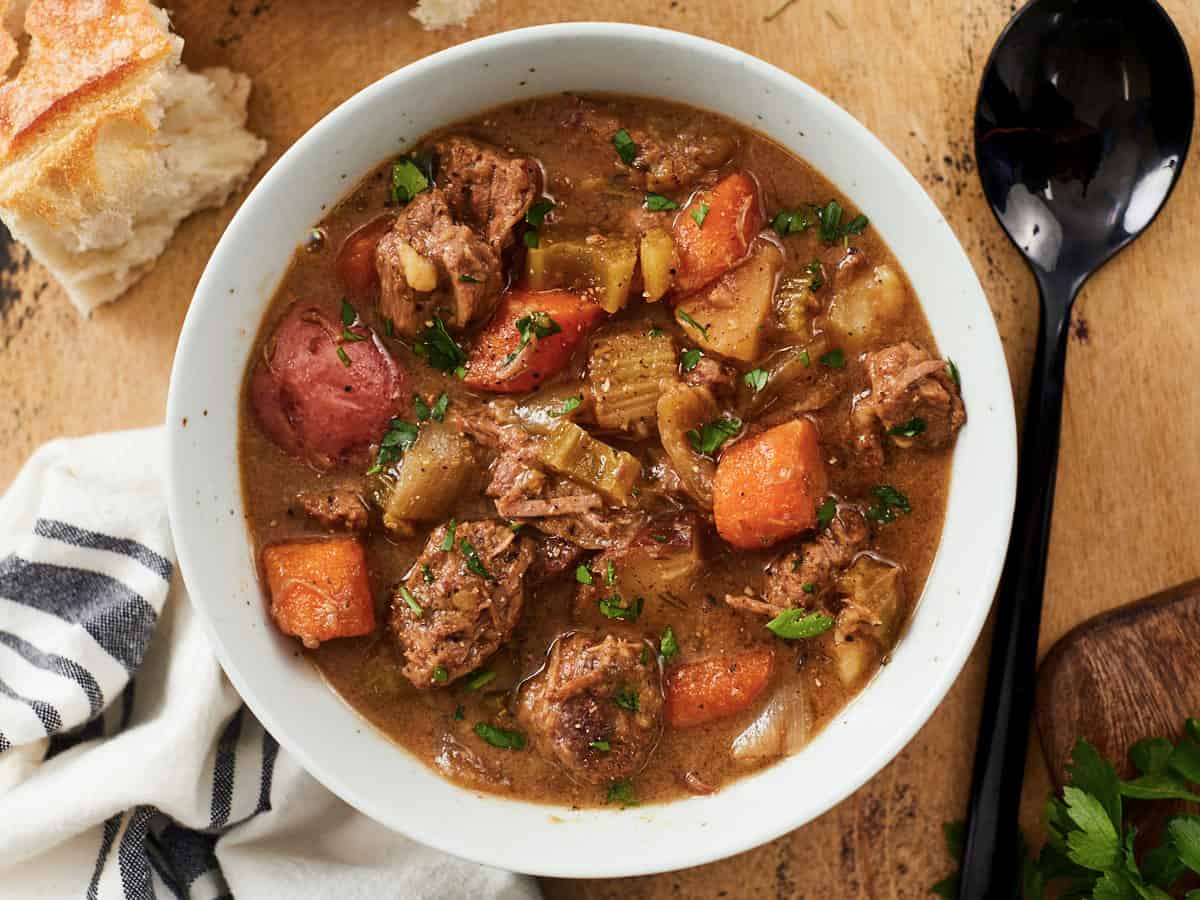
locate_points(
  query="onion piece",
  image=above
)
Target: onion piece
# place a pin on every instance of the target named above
(781, 728)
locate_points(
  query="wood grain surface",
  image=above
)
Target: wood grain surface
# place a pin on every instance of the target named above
(1125, 523)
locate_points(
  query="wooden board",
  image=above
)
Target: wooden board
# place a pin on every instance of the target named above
(1121, 677)
(908, 69)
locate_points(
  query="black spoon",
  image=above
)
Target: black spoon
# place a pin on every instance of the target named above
(1081, 129)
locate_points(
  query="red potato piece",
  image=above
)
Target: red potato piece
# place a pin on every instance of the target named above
(711, 689)
(768, 486)
(543, 357)
(316, 405)
(319, 589)
(706, 251)
(356, 260)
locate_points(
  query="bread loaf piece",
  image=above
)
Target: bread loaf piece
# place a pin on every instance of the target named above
(107, 141)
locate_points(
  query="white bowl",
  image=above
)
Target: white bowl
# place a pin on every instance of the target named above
(286, 693)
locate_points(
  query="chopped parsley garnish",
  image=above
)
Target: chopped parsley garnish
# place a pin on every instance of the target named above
(790, 222)
(804, 358)
(582, 575)
(400, 436)
(349, 316)
(688, 320)
(500, 737)
(438, 413)
(515, 526)
(667, 645)
(953, 370)
(344, 357)
(389, 327)
(888, 500)
(689, 359)
(440, 675)
(831, 229)
(610, 574)
(531, 239)
(460, 713)
(700, 213)
(351, 338)
(756, 379)
(408, 598)
(835, 358)
(655, 332)
(909, 429)
(616, 608)
(570, 405)
(427, 573)
(473, 563)
(439, 349)
(448, 540)
(816, 277)
(808, 587)
(408, 179)
(602, 746)
(535, 325)
(659, 203)
(621, 792)
(825, 512)
(421, 408)
(712, 435)
(468, 279)
(627, 698)
(795, 624)
(626, 148)
(480, 679)
(537, 213)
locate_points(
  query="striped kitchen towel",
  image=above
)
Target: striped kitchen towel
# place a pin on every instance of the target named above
(129, 767)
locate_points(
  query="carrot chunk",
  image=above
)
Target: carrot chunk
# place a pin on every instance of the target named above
(711, 689)
(319, 589)
(714, 232)
(768, 486)
(356, 260)
(531, 336)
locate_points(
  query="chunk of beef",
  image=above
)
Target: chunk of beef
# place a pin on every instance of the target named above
(487, 189)
(314, 403)
(430, 264)
(802, 577)
(553, 557)
(662, 163)
(714, 375)
(596, 707)
(468, 600)
(335, 507)
(908, 388)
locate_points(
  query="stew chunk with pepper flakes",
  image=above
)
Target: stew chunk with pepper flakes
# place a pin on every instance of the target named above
(596, 450)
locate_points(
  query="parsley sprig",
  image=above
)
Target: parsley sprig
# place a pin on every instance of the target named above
(439, 349)
(712, 435)
(535, 325)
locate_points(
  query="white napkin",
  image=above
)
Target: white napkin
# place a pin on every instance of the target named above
(129, 768)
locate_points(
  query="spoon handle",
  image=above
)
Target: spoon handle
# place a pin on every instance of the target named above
(990, 860)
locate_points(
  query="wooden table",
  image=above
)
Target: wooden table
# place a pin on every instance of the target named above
(1129, 480)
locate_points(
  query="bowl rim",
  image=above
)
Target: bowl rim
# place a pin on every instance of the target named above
(750, 831)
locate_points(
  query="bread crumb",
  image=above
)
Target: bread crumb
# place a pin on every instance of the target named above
(437, 14)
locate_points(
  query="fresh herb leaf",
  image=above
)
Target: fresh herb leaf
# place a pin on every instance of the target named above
(399, 437)
(515, 527)
(655, 332)
(349, 315)
(352, 338)
(816, 276)
(621, 792)
(582, 575)
(570, 405)
(808, 587)
(448, 540)
(795, 624)
(888, 500)
(615, 607)
(1185, 760)
(756, 379)
(830, 227)
(438, 413)
(610, 573)
(473, 564)
(667, 645)
(1185, 835)
(440, 675)
(790, 222)
(688, 320)
(500, 737)
(439, 348)
(1158, 787)
(627, 698)
(411, 601)
(626, 148)
(427, 573)
(689, 359)
(407, 180)
(602, 746)
(700, 213)
(659, 203)
(344, 357)
(1152, 755)
(712, 435)
(421, 408)
(460, 713)
(468, 279)
(953, 370)
(1095, 845)
(531, 239)
(835, 358)
(804, 358)
(644, 656)
(825, 513)
(537, 213)
(1193, 729)
(909, 429)
(480, 679)
(536, 325)
(389, 327)
(1090, 772)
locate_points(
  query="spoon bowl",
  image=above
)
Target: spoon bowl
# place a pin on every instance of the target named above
(1083, 122)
